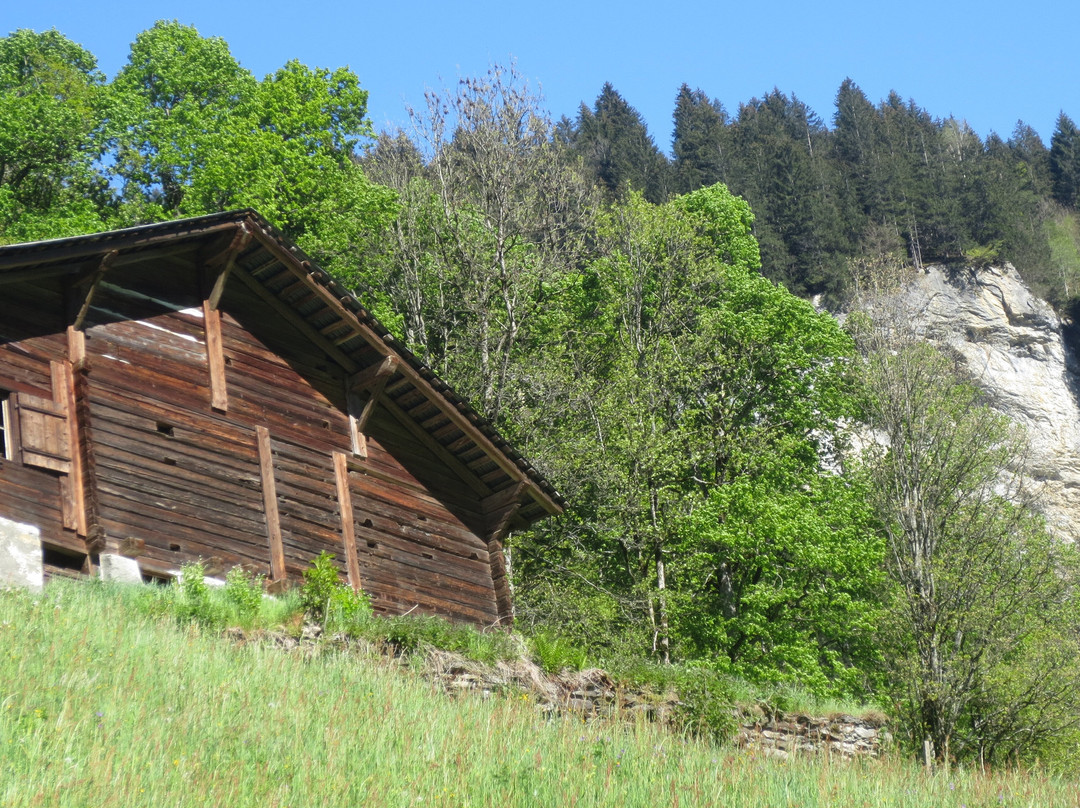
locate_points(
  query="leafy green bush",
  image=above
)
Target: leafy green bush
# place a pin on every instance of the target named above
(195, 601)
(706, 703)
(244, 591)
(326, 599)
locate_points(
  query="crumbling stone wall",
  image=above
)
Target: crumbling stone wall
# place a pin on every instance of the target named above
(786, 734)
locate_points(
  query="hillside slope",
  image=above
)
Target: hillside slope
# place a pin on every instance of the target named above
(103, 705)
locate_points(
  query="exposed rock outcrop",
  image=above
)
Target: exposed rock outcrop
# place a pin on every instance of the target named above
(1013, 347)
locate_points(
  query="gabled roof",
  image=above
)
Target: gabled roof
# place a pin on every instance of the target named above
(331, 317)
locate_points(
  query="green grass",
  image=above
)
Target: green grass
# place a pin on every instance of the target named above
(103, 704)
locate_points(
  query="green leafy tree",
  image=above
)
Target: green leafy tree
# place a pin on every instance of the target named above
(52, 103)
(980, 639)
(700, 493)
(196, 133)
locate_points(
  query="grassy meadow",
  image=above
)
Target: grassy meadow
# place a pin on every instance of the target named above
(102, 704)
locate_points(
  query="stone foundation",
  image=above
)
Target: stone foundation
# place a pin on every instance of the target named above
(20, 556)
(120, 569)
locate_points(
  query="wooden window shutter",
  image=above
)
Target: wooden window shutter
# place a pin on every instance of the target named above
(44, 439)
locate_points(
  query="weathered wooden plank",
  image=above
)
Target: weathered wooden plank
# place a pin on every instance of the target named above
(348, 532)
(126, 514)
(72, 487)
(213, 468)
(31, 491)
(202, 491)
(391, 596)
(157, 341)
(270, 506)
(468, 574)
(176, 504)
(43, 433)
(215, 357)
(137, 408)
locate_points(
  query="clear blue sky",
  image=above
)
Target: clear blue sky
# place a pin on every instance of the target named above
(989, 62)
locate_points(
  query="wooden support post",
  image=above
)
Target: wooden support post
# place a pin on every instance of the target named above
(215, 357)
(270, 506)
(355, 409)
(82, 449)
(72, 490)
(372, 379)
(76, 339)
(348, 528)
(500, 509)
(226, 260)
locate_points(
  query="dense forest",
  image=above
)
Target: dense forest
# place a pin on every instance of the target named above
(638, 326)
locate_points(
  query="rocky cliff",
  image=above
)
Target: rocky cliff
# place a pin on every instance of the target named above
(1013, 346)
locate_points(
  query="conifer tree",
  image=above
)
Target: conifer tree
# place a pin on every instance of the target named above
(616, 145)
(1065, 161)
(698, 141)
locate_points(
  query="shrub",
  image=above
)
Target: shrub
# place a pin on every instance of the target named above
(244, 591)
(326, 599)
(194, 601)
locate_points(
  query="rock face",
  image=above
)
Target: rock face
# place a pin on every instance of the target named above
(1013, 346)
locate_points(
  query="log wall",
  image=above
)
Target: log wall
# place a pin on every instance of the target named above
(28, 344)
(183, 481)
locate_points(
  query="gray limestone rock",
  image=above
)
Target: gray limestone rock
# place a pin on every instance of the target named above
(1012, 345)
(20, 555)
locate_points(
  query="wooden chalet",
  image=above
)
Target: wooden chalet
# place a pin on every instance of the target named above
(199, 389)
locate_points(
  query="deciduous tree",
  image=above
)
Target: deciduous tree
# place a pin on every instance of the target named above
(980, 639)
(52, 104)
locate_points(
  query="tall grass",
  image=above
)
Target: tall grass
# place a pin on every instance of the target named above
(102, 704)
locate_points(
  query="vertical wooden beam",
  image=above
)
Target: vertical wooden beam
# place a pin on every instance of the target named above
(348, 528)
(72, 488)
(500, 509)
(83, 450)
(356, 431)
(76, 339)
(270, 508)
(215, 357)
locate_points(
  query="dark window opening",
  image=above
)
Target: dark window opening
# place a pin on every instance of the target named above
(62, 560)
(165, 429)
